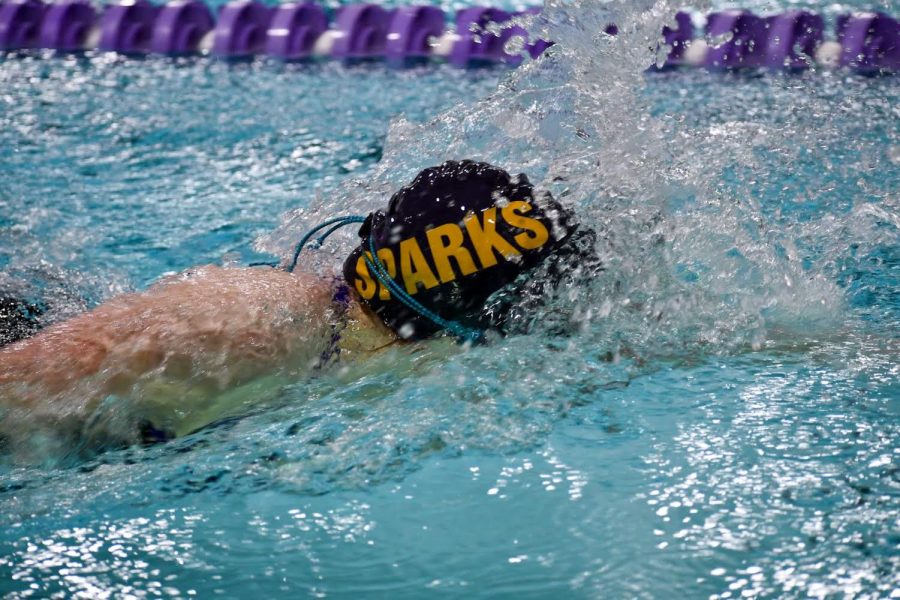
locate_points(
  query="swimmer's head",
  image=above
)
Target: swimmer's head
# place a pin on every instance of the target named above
(453, 237)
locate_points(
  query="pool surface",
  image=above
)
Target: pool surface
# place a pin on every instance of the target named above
(717, 415)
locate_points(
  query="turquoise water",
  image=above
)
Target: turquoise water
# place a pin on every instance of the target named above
(716, 415)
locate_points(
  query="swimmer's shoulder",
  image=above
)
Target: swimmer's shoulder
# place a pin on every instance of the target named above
(244, 277)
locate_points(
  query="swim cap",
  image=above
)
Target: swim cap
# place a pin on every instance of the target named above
(454, 236)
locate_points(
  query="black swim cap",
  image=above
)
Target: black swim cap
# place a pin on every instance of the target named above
(454, 236)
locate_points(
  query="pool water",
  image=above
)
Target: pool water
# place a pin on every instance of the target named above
(716, 415)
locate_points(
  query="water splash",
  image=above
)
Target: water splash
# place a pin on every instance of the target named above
(694, 253)
(736, 211)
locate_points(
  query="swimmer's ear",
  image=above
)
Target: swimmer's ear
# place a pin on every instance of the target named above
(374, 219)
(366, 228)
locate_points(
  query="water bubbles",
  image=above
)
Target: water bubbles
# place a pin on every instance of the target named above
(893, 154)
(720, 40)
(515, 45)
(707, 408)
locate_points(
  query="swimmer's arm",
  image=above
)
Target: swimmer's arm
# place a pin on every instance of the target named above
(210, 330)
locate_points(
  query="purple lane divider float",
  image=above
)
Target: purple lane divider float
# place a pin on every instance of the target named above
(737, 39)
(180, 26)
(411, 32)
(474, 43)
(514, 43)
(678, 38)
(294, 30)
(241, 30)
(20, 23)
(362, 31)
(127, 28)
(66, 25)
(869, 41)
(535, 48)
(792, 39)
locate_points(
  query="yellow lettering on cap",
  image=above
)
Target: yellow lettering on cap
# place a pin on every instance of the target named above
(486, 240)
(446, 242)
(538, 236)
(364, 284)
(414, 267)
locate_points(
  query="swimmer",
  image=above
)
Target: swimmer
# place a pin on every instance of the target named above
(449, 257)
